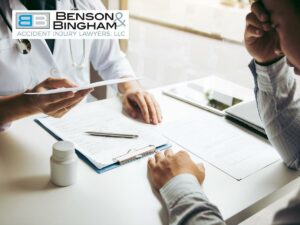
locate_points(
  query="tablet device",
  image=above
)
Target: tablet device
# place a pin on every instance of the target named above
(206, 98)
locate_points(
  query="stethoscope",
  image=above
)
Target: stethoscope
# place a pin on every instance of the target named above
(24, 45)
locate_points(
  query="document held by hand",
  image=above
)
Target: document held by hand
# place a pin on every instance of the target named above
(102, 151)
(88, 86)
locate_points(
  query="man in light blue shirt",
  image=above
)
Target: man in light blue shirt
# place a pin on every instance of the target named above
(272, 37)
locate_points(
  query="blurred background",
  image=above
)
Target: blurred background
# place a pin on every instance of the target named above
(177, 40)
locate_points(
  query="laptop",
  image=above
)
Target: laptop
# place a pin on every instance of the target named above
(246, 114)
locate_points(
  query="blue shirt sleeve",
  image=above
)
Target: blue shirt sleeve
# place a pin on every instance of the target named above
(279, 108)
(187, 204)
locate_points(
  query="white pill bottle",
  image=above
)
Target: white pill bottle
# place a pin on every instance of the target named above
(63, 164)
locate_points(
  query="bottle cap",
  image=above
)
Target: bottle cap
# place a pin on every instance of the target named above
(63, 150)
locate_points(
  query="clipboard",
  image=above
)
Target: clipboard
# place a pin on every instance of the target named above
(118, 164)
(130, 156)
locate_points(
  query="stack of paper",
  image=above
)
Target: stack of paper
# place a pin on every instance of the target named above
(220, 143)
(101, 151)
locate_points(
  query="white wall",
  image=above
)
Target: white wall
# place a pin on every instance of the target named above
(207, 16)
(165, 56)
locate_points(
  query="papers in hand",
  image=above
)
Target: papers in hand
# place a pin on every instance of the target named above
(93, 85)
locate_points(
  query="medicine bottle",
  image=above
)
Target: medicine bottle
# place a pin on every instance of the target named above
(63, 164)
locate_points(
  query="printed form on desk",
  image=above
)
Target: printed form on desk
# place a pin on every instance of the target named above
(225, 146)
(101, 151)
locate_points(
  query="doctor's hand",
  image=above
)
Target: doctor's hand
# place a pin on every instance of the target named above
(261, 38)
(55, 105)
(137, 102)
(168, 165)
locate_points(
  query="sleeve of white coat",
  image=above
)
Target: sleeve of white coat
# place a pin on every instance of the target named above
(106, 57)
(109, 61)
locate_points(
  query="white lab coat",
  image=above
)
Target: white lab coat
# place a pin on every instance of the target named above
(20, 72)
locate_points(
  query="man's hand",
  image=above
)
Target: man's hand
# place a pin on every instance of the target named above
(137, 102)
(261, 38)
(168, 165)
(55, 105)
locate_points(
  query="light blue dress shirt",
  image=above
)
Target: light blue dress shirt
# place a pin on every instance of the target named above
(279, 108)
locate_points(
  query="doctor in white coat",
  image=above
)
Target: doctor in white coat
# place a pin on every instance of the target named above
(66, 65)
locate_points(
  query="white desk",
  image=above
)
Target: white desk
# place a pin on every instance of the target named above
(121, 196)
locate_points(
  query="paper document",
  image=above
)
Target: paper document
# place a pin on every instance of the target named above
(101, 151)
(225, 146)
(88, 86)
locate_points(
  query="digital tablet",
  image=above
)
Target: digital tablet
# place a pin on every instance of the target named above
(203, 97)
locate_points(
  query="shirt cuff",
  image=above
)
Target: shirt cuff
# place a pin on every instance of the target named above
(274, 76)
(180, 186)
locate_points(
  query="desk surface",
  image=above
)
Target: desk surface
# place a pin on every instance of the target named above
(120, 196)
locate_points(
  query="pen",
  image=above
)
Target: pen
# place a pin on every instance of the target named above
(113, 135)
